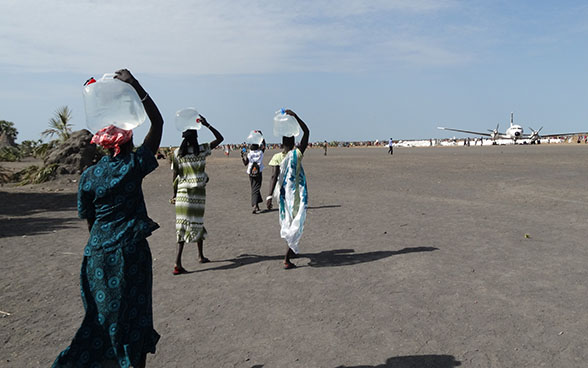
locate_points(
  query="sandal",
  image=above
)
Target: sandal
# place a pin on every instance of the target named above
(179, 270)
(289, 266)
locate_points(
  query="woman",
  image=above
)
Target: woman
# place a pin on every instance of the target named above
(190, 180)
(254, 162)
(288, 183)
(116, 274)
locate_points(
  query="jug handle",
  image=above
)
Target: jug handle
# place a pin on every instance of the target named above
(108, 76)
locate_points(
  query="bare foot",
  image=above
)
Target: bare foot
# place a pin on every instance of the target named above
(204, 260)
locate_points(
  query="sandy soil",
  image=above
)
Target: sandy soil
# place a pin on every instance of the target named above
(435, 257)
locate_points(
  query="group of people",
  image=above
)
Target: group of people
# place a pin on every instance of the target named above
(116, 278)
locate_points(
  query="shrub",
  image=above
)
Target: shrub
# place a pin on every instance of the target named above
(36, 175)
(9, 154)
(27, 148)
(5, 175)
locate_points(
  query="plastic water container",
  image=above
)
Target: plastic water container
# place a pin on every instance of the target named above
(255, 137)
(187, 119)
(109, 101)
(285, 125)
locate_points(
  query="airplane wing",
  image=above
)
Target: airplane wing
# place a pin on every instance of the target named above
(466, 131)
(531, 136)
(562, 134)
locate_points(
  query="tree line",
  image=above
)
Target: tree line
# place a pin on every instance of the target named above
(59, 130)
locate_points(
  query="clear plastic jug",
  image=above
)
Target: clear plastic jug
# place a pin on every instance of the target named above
(188, 118)
(285, 125)
(109, 101)
(255, 137)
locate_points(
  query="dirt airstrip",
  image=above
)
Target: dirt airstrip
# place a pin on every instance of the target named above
(433, 257)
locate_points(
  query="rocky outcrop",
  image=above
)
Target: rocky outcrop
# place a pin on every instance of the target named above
(75, 154)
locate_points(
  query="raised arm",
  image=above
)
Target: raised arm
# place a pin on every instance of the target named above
(244, 158)
(218, 137)
(305, 131)
(153, 137)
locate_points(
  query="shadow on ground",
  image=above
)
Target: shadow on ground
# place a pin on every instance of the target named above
(330, 258)
(414, 361)
(22, 213)
(347, 257)
(323, 207)
(19, 226)
(24, 204)
(327, 206)
(409, 361)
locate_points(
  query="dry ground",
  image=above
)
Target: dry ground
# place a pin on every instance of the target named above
(415, 260)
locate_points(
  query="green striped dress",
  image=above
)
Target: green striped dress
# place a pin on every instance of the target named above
(190, 183)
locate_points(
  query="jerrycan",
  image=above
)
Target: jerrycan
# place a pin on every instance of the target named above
(255, 137)
(285, 125)
(109, 101)
(187, 118)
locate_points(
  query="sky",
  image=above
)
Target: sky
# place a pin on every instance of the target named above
(351, 69)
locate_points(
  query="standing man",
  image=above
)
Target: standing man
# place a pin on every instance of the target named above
(390, 143)
(326, 145)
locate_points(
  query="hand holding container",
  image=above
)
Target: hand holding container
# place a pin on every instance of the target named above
(254, 137)
(188, 118)
(285, 125)
(109, 101)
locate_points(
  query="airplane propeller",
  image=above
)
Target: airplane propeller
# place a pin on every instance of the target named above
(494, 132)
(535, 134)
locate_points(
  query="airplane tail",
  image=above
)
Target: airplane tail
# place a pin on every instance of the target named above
(511, 118)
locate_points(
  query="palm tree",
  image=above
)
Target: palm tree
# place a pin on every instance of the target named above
(59, 124)
(8, 133)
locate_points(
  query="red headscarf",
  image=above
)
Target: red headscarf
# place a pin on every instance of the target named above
(112, 137)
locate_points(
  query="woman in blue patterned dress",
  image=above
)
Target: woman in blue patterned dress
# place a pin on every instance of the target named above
(116, 274)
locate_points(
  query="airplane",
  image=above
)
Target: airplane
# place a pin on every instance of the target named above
(514, 132)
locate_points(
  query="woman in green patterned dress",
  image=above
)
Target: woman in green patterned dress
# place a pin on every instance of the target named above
(116, 274)
(190, 179)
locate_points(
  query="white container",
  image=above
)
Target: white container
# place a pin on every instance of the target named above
(285, 125)
(109, 101)
(255, 137)
(187, 119)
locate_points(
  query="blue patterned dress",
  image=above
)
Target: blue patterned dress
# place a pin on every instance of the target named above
(116, 274)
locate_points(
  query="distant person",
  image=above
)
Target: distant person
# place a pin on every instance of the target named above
(254, 162)
(116, 274)
(190, 178)
(390, 145)
(288, 183)
(326, 146)
(227, 149)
